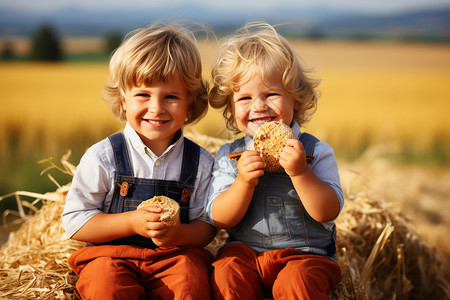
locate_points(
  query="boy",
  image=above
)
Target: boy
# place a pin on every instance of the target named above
(155, 85)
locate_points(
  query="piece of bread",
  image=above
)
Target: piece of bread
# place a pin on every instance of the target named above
(269, 140)
(171, 208)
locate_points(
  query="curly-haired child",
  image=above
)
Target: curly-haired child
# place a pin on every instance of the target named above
(280, 224)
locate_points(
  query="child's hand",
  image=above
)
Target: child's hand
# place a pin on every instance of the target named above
(293, 158)
(168, 233)
(250, 168)
(145, 221)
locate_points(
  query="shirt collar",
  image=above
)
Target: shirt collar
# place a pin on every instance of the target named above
(296, 127)
(139, 145)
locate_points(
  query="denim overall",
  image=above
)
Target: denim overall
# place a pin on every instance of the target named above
(130, 191)
(276, 218)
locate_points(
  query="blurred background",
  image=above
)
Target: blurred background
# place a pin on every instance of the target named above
(384, 65)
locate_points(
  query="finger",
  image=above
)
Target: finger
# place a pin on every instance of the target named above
(153, 209)
(250, 154)
(150, 217)
(251, 163)
(294, 143)
(156, 226)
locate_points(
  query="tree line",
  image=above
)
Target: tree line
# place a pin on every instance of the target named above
(46, 46)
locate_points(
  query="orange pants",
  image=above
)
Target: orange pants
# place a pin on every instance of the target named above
(130, 272)
(241, 273)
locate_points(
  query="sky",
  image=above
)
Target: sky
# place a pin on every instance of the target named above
(377, 6)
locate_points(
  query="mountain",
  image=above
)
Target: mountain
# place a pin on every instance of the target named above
(317, 21)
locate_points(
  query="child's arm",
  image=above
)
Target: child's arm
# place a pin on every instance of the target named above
(230, 206)
(145, 221)
(317, 196)
(106, 227)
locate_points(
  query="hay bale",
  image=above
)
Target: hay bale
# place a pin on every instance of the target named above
(380, 255)
(33, 262)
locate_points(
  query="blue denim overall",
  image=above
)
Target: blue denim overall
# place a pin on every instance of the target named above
(276, 218)
(130, 191)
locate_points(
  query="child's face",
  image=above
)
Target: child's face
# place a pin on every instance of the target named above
(157, 111)
(258, 102)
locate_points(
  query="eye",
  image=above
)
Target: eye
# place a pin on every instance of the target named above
(172, 97)
(244, 98)
(272, 95)
(143, 95)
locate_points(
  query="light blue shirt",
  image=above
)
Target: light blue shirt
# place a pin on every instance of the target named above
(93, 183)
(324, 166)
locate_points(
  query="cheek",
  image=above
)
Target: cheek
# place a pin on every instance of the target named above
(240, 111)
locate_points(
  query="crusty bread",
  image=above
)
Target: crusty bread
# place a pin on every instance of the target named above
(269, 140)
(170, 207)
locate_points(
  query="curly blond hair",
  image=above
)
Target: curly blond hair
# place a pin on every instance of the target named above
(257, 49)
(154, 54)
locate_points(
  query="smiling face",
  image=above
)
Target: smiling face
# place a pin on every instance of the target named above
(157, 111)
(258, 102)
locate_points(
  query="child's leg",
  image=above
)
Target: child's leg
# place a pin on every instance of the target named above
(177, 273)
(103, 277)
(296, 275)
(235, 275)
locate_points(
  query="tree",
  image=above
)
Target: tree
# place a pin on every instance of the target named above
(113, 41)
(7, 52)
(46, 45)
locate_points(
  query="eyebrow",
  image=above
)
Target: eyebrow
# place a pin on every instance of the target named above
(145, 89)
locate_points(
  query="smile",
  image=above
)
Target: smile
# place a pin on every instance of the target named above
(156, 122)
(260, 121)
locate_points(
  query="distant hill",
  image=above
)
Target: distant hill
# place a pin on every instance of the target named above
(314, 22)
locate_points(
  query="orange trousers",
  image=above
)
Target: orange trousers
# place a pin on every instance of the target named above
(241, 273)
(130, 272)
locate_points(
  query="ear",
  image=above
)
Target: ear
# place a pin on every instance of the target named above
(123, 103)
(297, 105)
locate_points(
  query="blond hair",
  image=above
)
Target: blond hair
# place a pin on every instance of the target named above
(257, 49)
(154, 54)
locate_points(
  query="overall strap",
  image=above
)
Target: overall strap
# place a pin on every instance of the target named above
(191, 159)
(237, 145)
(309, 143)
(122, 159)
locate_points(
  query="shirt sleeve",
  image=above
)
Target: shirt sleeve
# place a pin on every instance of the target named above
(326, 168)
(223, 176)
(91, 185)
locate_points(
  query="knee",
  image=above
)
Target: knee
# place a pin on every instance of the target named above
(108, 278)
(306, 279)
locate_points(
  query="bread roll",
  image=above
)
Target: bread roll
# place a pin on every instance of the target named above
(170, 207)
(269, 140)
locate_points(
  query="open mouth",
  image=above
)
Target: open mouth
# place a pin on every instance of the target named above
(261, 121)
(156, 122)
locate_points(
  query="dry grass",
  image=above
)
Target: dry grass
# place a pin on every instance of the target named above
(379, 251)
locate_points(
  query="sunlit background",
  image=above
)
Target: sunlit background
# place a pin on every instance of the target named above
(384, 65)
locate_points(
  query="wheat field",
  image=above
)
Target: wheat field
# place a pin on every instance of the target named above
(372, 93)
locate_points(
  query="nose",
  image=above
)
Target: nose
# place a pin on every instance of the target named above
(259, 103)
(156, 106)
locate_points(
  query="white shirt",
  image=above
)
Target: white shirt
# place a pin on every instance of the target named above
(93, 183)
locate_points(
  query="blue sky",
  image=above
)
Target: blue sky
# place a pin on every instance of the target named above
(377, 6)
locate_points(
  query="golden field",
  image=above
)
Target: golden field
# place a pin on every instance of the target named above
(371, 93)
